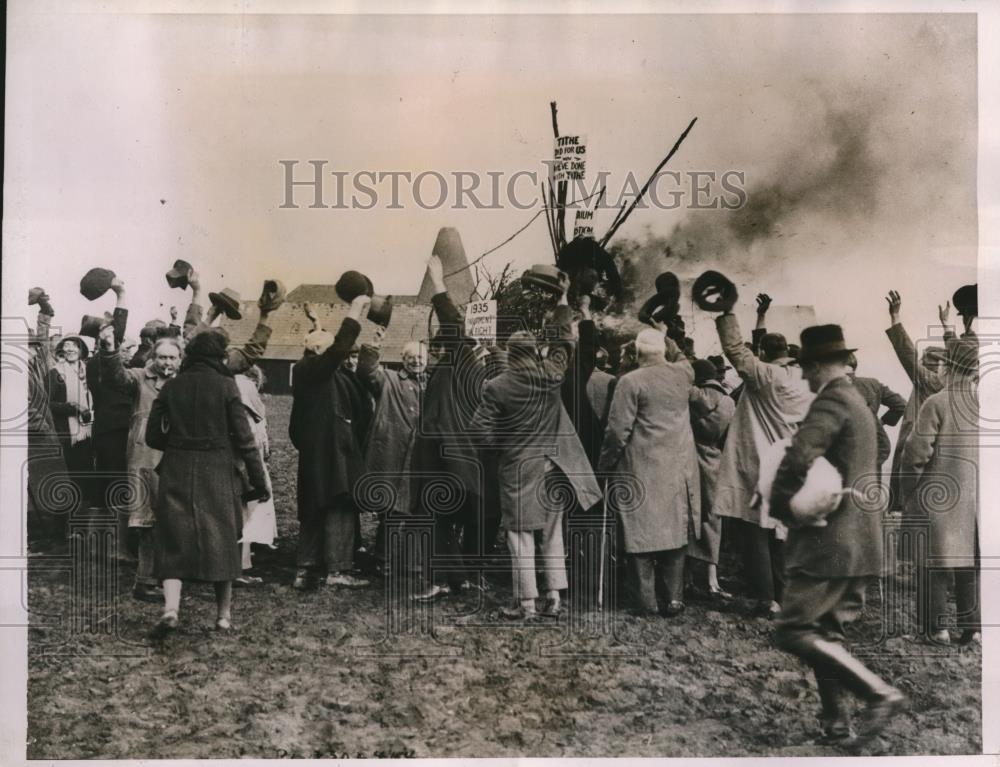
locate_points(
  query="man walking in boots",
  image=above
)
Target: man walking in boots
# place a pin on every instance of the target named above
(829, 560)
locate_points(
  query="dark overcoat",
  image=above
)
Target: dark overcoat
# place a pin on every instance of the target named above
(328, 423)
(209, 461)
(443, 449)
(839, 427)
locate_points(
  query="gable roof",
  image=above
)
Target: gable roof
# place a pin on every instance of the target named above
(326, 294)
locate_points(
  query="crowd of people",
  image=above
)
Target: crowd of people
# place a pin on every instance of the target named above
(507, 443)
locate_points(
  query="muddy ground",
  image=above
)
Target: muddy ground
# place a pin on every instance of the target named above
(335, 673)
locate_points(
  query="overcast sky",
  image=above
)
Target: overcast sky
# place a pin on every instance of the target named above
(135, 140)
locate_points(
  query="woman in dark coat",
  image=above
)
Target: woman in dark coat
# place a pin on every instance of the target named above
(210, 466)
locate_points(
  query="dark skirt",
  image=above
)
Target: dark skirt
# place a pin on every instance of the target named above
(199, 516)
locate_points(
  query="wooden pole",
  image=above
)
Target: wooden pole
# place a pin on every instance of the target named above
(642, 192)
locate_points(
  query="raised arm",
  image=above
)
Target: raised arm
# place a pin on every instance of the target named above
(757, 374)
(369, 370)
(241, 360)
(321, 366)
(924, 381)
(760, 329)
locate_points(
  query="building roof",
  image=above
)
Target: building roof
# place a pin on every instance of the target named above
(289, 325)
(325, 294)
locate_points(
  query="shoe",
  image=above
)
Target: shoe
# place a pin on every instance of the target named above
(146, 593)
(347, 580)
(165, 626)
(719, 595)
(432, 594)
(971, 636)
(223, 624)
(673, 609)
(248, 580)
(305, 581)
(837, 734)
(880, 712)
(769, 610)
(517, 613)
(553, 608)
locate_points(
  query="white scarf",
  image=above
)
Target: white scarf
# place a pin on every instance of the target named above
(77, 393)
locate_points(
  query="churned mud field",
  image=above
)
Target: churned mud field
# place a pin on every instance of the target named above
(335, 674)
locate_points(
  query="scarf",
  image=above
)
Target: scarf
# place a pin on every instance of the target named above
(77, 393)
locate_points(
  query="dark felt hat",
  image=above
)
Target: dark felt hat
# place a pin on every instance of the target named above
(380, 310)
(228, 301)
(96, 283)
(353, 284)
(966, 300)
(78, 340)
(90, 325)
(665, 303)
(178, 276)
(714, 292)
(823, 342)
(545, 276)
(152, 330)
(720, 363)
(272, 296)
(704, 371)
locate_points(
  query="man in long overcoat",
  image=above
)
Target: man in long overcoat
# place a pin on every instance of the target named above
(543, 470)
(387, 487)
(449, 472)
(649, 449)
(323, 428)
(939, 481)
(924, 372)
(774, 400)
(828, 566)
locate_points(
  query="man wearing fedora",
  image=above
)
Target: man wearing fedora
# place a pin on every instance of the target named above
(773, 400)
(828, 566)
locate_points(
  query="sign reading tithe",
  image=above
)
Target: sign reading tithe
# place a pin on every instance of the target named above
(570, 158)
(481, 321)
(584, 225)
